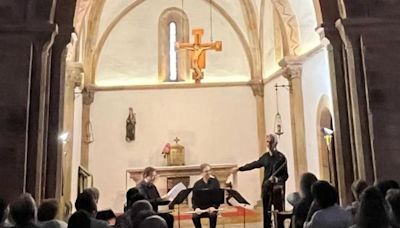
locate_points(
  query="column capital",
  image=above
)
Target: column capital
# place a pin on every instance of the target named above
(257, 86)
(88, 95)
(292, 67)
(74, 72)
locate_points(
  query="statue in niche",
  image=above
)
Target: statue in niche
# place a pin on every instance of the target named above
(130, 126)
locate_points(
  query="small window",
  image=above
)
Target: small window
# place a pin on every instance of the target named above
(173, 74)
(173, 65)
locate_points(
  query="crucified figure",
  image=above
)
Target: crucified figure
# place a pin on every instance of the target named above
(198, 53)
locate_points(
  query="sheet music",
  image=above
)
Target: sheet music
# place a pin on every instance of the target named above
(175, 190)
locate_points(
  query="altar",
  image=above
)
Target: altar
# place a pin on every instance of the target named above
(168, 176)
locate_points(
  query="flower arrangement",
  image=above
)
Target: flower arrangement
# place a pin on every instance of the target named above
(166, 150)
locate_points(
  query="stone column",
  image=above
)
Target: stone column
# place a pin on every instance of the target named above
(88, 98)
(293, 71)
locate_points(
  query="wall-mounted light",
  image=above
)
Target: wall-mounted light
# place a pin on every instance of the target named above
(63, 137)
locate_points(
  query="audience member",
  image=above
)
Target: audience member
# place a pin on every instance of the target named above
(357, 187)
(154, 221)
(393, 198)
(141, 216)
(330, 215)
(3, 211)
(85, 202)
(23, 211)
(373, 211)
(47, 213)
(132, 196)
(303, 206)
(79, 219)
(94, 192)
(385, 185)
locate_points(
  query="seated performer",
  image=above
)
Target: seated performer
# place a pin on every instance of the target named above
(275, 176)
(149, 191)
(206, 182)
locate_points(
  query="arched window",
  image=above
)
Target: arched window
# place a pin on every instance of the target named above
(173, 65)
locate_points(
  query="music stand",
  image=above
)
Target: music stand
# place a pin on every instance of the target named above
(206, 198)
(182, 195)
(239, 198)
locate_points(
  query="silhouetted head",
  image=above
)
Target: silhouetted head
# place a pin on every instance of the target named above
(23, 210)
(307, 180)
(373, 211)
(357, 187)
(385, 185)
(85, 202)
(48, 210)
(133, 195)
(324, 194)
(393, 198)
(79, 219)
(153, 221)
(94, 192)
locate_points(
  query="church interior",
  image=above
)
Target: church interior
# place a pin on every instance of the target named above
(94, 91)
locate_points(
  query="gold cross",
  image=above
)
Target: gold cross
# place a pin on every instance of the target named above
(197, 50)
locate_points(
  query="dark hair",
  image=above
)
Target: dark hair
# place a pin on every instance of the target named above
(3, 207)
(47, 210)
(203, 166)
(132, 196)
(393, 197)
(385, 185)
(357, 187)
(324, 193)
(23, 209)
(85, 202)
(137, 207)
(307, 180)
(141, 216)
(148, 171)
(94, 192)
(372, 212)
(79, 219)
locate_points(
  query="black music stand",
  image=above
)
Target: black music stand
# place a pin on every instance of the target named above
(182, 195)
(206, 198)
(239, 198)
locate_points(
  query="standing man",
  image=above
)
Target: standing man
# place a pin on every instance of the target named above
(149, 191)
(275, 176)
(206, 182)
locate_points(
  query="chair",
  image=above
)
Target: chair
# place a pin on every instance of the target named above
(154, 221)
(280, 217)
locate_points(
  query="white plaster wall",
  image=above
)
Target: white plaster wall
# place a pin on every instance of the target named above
(130, 55)
(285, 141)
(216, 125)
(316, 84)
(76, 148)
(305, 14)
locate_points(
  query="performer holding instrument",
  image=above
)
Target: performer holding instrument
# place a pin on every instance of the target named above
(275, 176)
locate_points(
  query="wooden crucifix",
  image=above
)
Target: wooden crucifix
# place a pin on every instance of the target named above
(197, 51)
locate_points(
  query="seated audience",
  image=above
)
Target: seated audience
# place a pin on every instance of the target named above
(94, 192)
(373, 211)
(79, 219)
(23, 211)
(385, 185)
(393, 198)
(300, 210)
(47, 213)
(331, 215)
(357, 187)
(154, 221)
(86, 203)
(132, 196)
(140, 217)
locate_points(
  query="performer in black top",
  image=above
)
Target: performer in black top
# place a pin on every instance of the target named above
(206, 182)
(149, 191)
(275, 176)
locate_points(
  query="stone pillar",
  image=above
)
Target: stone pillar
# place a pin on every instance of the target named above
(88, 98)
(293, 71)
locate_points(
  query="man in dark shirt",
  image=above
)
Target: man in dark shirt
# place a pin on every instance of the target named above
(201, 211)
(275, 176)
(149, 191)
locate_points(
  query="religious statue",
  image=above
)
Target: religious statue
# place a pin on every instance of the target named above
(197, 50)
(130, 126)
